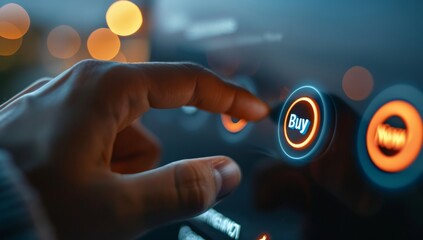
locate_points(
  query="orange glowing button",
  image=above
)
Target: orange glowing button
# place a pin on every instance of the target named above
(394, 136)
(301, 123)
(232, 126)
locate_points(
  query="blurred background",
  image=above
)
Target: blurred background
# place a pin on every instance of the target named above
(359, 54)
(43, 38)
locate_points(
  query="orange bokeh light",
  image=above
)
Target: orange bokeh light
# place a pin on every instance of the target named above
(9, 47)
(124, 18)
(14, 21)
(357, 83)
(231, 126)
(120, 57)
(136, 49)
(63, 42)
(103, 44)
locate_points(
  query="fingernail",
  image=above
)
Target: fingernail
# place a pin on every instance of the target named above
(227, 176)
(260, 108)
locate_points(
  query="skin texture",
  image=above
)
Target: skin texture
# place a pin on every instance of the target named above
(77, 139)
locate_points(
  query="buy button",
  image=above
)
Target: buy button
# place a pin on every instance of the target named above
(305, 125)
(301, 123)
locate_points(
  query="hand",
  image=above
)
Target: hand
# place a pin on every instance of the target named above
(76, 139)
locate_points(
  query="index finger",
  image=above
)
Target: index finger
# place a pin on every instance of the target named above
(170, 85)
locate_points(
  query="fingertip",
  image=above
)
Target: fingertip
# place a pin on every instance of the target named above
(226, 172)
(202, 182)
(260, 110)
(182, 189)
(227, 176)
(254, 110)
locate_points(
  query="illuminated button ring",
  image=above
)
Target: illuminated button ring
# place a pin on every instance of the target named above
(305, 125)
(391, 137)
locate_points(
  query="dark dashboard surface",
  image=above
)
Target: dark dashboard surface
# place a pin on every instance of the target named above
(340, 156)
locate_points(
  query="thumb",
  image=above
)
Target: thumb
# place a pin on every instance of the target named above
(182, 189)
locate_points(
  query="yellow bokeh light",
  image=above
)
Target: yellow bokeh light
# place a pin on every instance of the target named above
(103, 44)
(124, 18)
(9, 47)
(63, 42)
(14, 21)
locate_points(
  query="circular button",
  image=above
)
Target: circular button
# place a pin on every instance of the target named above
(305, 124)
(390, 137)
(297, 130)
(394, 148)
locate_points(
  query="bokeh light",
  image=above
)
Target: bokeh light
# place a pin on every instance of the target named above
(103, 44)
(120, 57)
(136, 49)
(80, 55)
(14, 21)
(9, 47)
(357, 83)
(63, 42)
(124, 18)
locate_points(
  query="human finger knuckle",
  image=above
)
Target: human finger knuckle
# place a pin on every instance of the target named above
(194, 186)
(101, 77)
(115, 69)
(110, 75)
(41, 81)
(86, 65)
(28, 101)
(194, 66)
